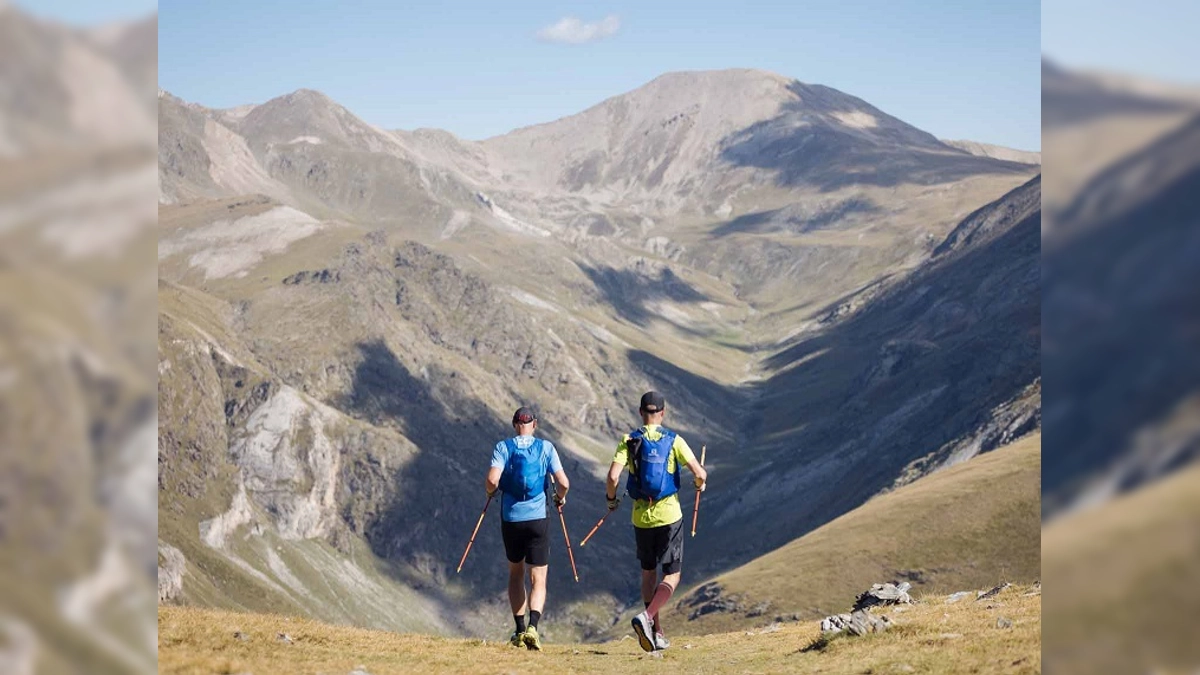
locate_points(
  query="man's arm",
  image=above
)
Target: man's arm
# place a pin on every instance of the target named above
(684, 452)
(561, 484)
(492, 482)
(614, 478)
(693, 465)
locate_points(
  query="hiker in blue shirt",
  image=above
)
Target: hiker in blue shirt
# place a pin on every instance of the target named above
(520, 469)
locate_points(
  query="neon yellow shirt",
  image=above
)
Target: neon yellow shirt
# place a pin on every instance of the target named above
(667, 510)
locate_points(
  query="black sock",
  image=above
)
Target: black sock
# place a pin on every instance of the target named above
(534, 616)
(520, 619)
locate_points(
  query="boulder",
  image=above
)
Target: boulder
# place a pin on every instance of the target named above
(884, 594)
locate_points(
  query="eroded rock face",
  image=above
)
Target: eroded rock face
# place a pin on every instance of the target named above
(289, 464)
(171, 568)
(216, 531)
(18, 647)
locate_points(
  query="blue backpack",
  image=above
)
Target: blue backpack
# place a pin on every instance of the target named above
(648, 479)
(524, 474)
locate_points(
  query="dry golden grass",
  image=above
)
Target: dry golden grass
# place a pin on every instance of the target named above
(1125, 596)
(930, 636)
(971, 526)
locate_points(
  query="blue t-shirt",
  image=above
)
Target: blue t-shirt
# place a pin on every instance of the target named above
(511, 510)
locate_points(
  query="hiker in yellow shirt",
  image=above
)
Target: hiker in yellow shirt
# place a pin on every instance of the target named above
(653, 455)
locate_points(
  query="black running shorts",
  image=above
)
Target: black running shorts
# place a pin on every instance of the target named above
(526, 540)
(662, 545)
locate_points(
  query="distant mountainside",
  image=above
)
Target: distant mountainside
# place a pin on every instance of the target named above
(997, 152)
(972, 526)
(349, 315)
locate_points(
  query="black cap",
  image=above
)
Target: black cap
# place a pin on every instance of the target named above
(524, 416)
(652, 402)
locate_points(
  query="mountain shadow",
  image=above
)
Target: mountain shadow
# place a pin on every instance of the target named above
(629, 291)
(849, 408)
(1121, 290)
(830, 139)
(795, 218)
(1069, 99)
(436, 496)
(693, 401)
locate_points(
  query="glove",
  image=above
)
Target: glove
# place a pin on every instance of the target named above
(700, 483)
(613, 503)
(560, 501)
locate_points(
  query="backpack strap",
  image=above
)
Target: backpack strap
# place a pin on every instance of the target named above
(544, 457)
(633, 449)
(670, 436)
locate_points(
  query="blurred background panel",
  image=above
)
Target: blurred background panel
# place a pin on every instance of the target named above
(78, 526)
(1121, 340)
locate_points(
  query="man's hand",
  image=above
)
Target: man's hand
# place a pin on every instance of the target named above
(491, 493)
(560, 500)
(700, 482)
(613, 503)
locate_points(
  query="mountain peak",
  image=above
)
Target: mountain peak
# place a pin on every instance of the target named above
(307, 115)
(723, 75)
(305, 96)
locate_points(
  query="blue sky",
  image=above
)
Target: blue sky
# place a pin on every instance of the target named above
(89, 12)
(1149, 37)
(957, 70)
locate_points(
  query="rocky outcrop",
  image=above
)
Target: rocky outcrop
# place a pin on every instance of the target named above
(882, 595)
(171, 568)
(1004, 424)
(289, 465)
(19, 644)
(860, 621)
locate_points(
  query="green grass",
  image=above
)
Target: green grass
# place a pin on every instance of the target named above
(968, 527)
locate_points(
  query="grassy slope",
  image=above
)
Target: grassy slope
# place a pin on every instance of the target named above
(930, 636)
(1125, 595)
(966, 527)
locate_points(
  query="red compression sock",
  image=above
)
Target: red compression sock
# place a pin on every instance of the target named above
(661, 595)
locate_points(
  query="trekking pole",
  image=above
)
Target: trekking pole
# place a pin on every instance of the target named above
(589, 534)
(464, 558)
(563, 520)
(598, 524)
(696, 508)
